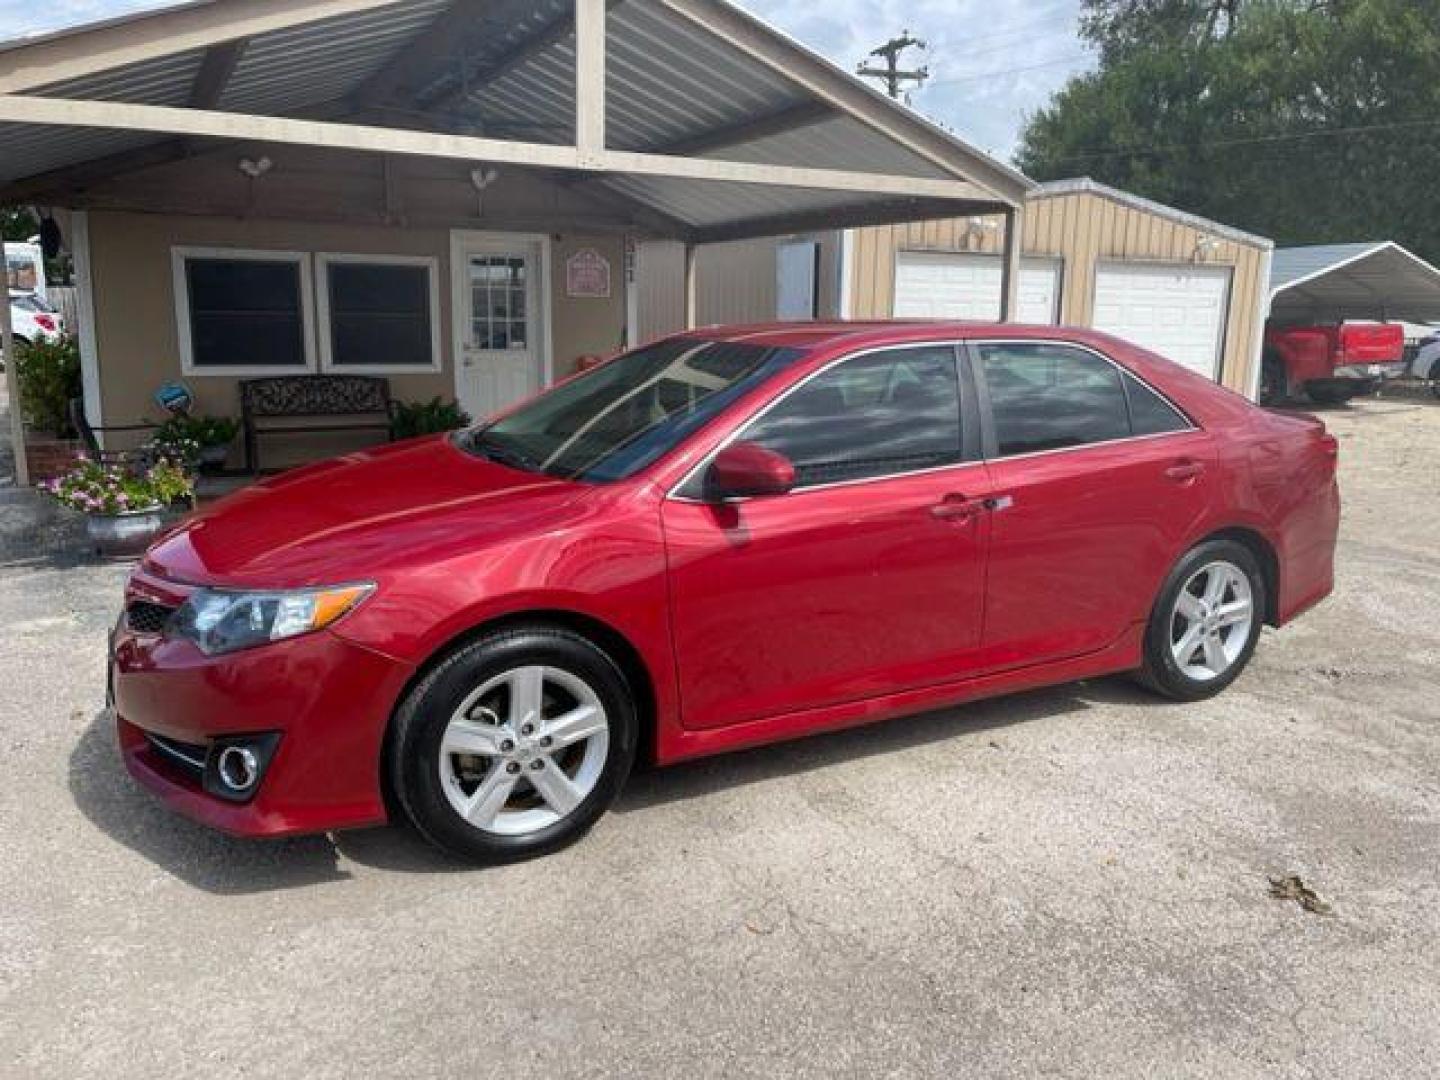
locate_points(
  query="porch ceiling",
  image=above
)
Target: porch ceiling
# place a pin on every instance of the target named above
(493, 81)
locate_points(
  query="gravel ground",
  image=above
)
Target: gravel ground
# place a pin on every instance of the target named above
(1064, 883)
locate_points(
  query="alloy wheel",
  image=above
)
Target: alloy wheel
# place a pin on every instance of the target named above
(1211, 621)
(524, 750)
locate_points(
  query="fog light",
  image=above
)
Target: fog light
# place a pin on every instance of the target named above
(238, 768)
(236, 765)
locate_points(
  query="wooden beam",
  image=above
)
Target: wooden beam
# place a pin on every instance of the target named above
(852, 217)
(132, 40)
(1010, 267)
(12, 384)
(418, 59)
(215, 71)
(276, 129)
(589, 76)
(752, 129)
(692, 287)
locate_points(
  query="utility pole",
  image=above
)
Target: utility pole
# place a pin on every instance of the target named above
(891, 73)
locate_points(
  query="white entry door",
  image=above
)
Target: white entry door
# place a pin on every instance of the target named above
(500, 324)
(1177, 311)
(957, 285)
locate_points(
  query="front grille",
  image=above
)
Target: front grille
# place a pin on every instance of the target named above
(188, 757)
(143, 617)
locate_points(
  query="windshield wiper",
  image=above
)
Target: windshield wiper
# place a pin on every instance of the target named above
(487, 447)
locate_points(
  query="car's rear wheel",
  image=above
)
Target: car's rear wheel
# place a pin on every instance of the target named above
(1206, 622)
(514, 745)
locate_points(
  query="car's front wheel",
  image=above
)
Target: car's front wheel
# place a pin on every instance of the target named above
(514, 745)
(1206, 622)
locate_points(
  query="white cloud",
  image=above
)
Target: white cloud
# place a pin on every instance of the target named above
(991, 61)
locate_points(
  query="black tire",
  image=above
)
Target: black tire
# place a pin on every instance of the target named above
(1161, 672)
(1274, 387)
(422, 719)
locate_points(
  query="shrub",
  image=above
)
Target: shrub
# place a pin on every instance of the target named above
(410, 419)
(203, 430)
(49, 375)
(115, 489)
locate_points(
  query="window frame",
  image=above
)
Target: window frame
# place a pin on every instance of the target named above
(325, 330)
(971, 363)
(971, 445)
(179, 257)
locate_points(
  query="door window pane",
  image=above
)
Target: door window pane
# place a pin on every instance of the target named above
(877, 415)
(1046, 397)
(379, 315)
(1150, 414)
(245, 313)
(498, 285)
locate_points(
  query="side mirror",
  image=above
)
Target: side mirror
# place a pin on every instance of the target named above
(748, 470)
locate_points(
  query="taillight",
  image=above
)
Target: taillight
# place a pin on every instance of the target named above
(46, 323)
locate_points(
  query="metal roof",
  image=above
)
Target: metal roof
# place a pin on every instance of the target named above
(1333, 282)
(1085, 185)
(671, 79)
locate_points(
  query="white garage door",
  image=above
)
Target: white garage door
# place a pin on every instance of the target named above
(946, 285)
(1176, 311)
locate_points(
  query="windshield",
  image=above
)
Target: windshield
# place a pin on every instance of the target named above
(30, 302)
(611, 422)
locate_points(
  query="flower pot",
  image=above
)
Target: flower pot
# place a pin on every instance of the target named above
(127, 534)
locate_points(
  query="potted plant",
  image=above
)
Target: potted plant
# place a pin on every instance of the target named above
(411, 419)
(211, 437)
(125, 509)
(48, 373)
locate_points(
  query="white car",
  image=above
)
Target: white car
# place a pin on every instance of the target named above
(32, 319)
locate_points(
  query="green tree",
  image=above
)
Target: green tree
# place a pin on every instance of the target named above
(1309, 122)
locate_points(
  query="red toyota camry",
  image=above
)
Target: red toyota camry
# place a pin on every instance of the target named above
(726, 538)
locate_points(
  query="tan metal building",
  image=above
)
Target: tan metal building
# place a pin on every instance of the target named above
(1194, 290)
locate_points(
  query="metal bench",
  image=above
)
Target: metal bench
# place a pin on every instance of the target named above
(311, 404)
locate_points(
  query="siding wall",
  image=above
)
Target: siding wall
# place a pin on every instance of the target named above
(1081, 229)
(737, 283)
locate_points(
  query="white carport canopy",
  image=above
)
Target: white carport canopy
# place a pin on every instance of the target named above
(1334, 282)
(685, 119)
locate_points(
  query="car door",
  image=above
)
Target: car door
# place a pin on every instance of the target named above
(865, 579)
(1098, 483)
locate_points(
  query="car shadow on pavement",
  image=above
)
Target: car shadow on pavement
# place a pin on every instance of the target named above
(696, 779)
(209, 860)
(216, 863)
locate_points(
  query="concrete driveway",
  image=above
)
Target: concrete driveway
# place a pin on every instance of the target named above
(1065, 883)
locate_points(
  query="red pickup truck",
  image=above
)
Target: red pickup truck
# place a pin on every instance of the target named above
(1329, 363)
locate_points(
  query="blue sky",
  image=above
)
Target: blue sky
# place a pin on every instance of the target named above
(991, 61)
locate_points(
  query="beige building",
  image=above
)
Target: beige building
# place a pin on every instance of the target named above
(1191, 289)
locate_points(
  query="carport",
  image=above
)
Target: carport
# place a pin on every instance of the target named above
(1334, 282)
(454, 137)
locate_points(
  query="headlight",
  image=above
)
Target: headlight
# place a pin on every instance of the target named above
(218, 621)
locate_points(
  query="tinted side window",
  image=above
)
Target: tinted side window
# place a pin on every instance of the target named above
(1150, 414)
(1045, 397)
(876, 415)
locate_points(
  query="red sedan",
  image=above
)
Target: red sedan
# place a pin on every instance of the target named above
(723, 539)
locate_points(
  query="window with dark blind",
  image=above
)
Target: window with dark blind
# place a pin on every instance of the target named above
(379, 313)
(245, 312)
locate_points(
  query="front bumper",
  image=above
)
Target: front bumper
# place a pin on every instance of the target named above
(324, 702)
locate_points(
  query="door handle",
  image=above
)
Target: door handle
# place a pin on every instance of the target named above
(956, 507)
(1184, 470)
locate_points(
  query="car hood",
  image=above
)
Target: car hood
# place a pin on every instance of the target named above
(360, 516)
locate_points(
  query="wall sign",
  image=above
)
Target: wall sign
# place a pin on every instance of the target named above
(587, 274)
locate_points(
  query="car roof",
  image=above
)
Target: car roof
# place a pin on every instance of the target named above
(812, 335)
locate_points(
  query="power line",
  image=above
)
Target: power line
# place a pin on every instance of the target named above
(1000, 72)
